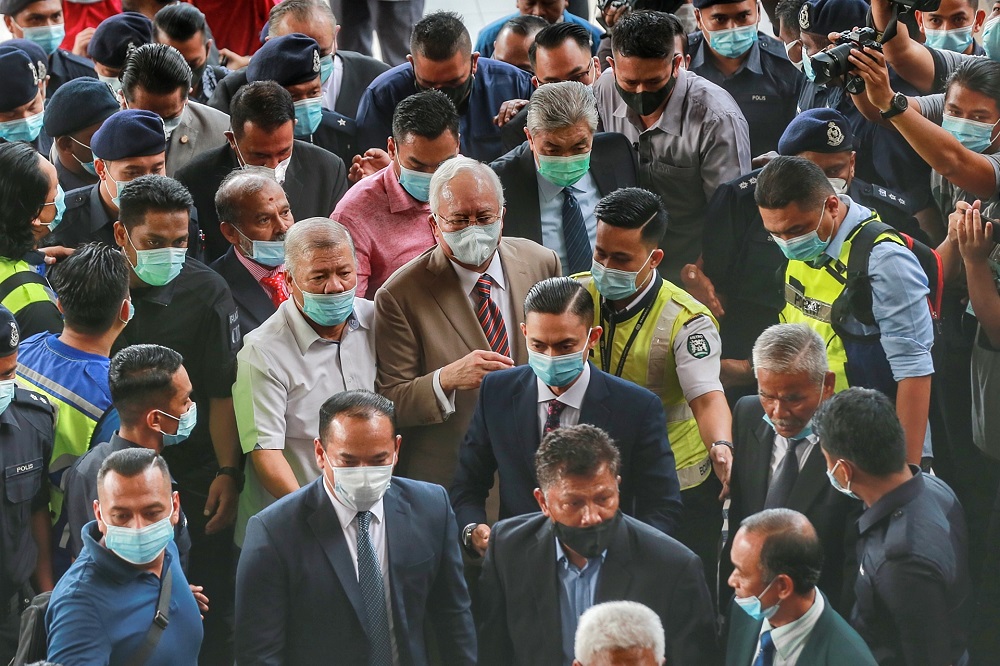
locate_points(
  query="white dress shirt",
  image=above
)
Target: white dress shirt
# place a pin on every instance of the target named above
(572, 398)
(780, 449)
(789, 639)
(331, 89)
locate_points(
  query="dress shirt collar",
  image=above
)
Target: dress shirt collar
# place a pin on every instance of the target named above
(257, 271)
(894, 499)
(752, 61)
(345, 514)
(399, 199)
(813, 438)
(571, 398)
(99, 217)
(562, 557)
(856, 214)
(789, 637)
(548, 189)
(672, 119)
(468, 279)
(114, 567)
(305, 335)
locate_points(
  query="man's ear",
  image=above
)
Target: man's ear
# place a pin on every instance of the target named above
(540, 498)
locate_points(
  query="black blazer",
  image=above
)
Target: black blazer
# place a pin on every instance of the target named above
(315, 182)
(504, 435)
(252, 302)
(519, 592)
(832, 513)
(359, 71)
(612, 164)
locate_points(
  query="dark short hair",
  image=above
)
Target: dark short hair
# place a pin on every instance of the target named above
(578, 450)
(141, 378)
(157, 68)
(181, 22)
(645, 34)
(524, 25)
(132, 462)
(788, 180)
(264, 103)
(680, 32)
(357, 404)
(560, 295)
(860, 426)
(981, 75)
(151, 193)
(635, 208)
(301, 10)
(789, 547)
(787, 13)
(552, 36)
(426, 114)
(439, 36)
(24, 190)
(91, 283)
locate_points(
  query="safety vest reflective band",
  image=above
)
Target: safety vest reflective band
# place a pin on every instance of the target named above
(810, 293)
(650, 363)
(22, 295)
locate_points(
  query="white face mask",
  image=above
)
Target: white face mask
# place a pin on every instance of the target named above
(839, 185)
(360, 488)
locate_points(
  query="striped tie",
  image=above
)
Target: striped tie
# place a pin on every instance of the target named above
(490, 318)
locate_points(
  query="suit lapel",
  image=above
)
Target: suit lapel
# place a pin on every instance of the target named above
(524, 404)
(188, 130)
(398, 536)
(758, 466)
(615, 578)
(519, 283)
(246, 291)
(540, 558)
(811, 482)
(528, 193)
(602, 170)
(454, 302)
(744, 632)
(594, 410)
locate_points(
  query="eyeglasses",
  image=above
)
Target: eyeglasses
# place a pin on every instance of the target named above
(459, 223)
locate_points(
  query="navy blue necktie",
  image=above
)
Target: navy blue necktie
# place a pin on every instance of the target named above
(579, 253)
(373, 594)
(784, 477)
(766, 655)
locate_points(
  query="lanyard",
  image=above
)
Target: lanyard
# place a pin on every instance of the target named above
(608, 338)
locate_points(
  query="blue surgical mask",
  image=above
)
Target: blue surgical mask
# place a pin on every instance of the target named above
(157, 267)
(733, 42)
(23, 129)
(117, 198)
(60, 204)
(416, 183)
(325, 68)
(328, 309)
(807, 431)
(131, 312)
(975, 136)
(956, 40)
(171, 124)
(308, 116)
(185, 424)
(616, 285)
(991, 38)
(49, 37)
(89, 167)
(751, 606)
(807, 67)
(474, 245)
(6, 394)
(113, 82)
(140, 545)
(557, 371)
(836, 484)
(807, 247)
(266, 253)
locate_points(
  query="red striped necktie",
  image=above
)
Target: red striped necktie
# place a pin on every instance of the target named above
(490, 318)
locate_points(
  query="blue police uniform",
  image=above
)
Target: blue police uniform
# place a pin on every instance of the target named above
(488, 35)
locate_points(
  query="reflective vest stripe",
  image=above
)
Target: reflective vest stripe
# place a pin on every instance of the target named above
(26, 294)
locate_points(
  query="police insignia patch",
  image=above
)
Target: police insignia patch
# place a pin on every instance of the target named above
(698, 346)
(834, 135)
(14, 337)
(316, 66)
(804, 16)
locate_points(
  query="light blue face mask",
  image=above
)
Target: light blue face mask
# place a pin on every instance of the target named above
(416, 183)
(807, 66)
(23, 129)
(113, 82)
(991, 38)
(131, 312)
(732, 42)
(308, 116)
(325, 68)
(87, 166)
(616, 285)
(6, 394)
(557, 371)
(60, 204)
(140, 545)
(172, 124)
(807, 431)
(328, 309)
(751, 606)
(956, 40)
(836, 484)
(807, 247)
(117, 198)
(265, 253)
(974, 135)
(157, 267)
(185, 424)
(48, 37)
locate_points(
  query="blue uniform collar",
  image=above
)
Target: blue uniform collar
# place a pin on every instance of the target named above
(856, 214)
(893, 500)
(109, 564)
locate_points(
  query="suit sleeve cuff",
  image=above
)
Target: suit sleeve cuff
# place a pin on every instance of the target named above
(445, 402)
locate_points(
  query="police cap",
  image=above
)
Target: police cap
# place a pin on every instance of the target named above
(10, 336)
(77, 105)
(117, 35)
(20, 78)
(825, 16)
(701, 4)
(288, 60)
(11, 7)
(129, 133)
(34, 51)
(818, 131)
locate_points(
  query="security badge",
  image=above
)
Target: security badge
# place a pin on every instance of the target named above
(697, 345)
(834, 135)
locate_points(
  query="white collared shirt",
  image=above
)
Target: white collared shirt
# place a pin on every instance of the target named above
(780, 449)
(789, 639)
(572, 398)
(331, 89)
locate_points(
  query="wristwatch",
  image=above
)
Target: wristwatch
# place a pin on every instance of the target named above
(467, 539)
(898, 104)
(235, 473)
(723, 442)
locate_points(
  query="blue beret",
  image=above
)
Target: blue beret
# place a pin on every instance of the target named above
(20, 78)
(129, 133)
(11, 7)
(701, 4)
(118, 34)
(10, 335)
(287, 60)
(825, 16)
(77, 105)
(818, 131)
(34, 51)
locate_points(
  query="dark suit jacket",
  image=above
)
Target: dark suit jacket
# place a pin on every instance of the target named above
(314, 183)
(832, 641)
(833, 514)
(359, 71)
(298, 600)
(504, 435)
(612, 164)
(519, 589)
(252, 301)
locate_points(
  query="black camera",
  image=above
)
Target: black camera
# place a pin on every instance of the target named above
(919, 5)
(833, 63)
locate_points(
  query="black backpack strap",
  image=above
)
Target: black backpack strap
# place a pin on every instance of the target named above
(159, 624)
(20, 279)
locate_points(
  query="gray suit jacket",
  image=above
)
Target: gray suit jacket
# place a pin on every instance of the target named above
(202, 128)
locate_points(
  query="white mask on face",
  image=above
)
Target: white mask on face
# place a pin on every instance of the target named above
(360, 488)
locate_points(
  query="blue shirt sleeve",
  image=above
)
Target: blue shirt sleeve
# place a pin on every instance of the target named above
(899, 303)
(76, 635)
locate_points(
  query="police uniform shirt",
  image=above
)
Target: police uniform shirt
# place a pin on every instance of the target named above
(84, 220)
(913, 590)
(766, 87)
(69, 180)
(65, 66)
(335, 134)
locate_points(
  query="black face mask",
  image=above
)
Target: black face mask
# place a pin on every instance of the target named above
(645, 103)
(457, 94)
(588, 541)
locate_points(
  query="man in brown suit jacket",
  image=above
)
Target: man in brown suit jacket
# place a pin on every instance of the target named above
(433, 315)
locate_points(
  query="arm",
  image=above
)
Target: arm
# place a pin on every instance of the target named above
(41, 530)
(374, 124)
(915, 596)
(911, 60)
(262, 599)
(715, 422)
(362, 246)
(494, 638)
(975, 244)
(76, 635)
(78, 506)
(476, 468)
(654, 471)
(913, 400)
(725, 151)
(222, 494)
(449, 605)
(274, 472)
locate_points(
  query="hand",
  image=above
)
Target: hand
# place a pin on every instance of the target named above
(735, 372)
(55, 253)
(955, 219)
(975, 243)
(373, 160)
(82, 41)
(199, 596)
(612, 15)
(508, 110)
(467, 372)
(762, 160)
(481, 538)
(232, 60)
(871, 67)
(698, 285)
(222, 499)
(722, 464)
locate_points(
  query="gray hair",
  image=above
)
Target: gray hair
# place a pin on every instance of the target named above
(309, 235)
(455, 166)
(237, 187)
(791, 348)
(555, 106)
(301, 10)
(617, 625)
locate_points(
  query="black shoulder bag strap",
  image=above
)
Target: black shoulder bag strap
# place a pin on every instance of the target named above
(159, 625)
(19, 279)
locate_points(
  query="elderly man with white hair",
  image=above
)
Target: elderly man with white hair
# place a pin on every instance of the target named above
(450, 316)
(319, 342)
(619, 633)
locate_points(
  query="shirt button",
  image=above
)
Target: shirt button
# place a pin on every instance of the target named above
(897, 513)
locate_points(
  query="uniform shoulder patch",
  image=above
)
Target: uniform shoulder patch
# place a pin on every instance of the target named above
(697, 345)
(887, 196)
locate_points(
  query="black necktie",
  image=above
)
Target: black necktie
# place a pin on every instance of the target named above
(784, 477)
(579, 254)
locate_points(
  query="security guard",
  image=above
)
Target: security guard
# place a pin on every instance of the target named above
(659, 337)
(71, 117)
(293, 61)
(751, 66)
(26, 435)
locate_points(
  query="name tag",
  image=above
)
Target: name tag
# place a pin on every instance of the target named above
(23, 468)
(758, 98)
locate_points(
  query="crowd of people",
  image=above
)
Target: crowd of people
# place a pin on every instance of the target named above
(656, 340)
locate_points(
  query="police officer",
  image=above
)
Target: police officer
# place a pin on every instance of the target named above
(293, 62)
(730, 52)
(26, 436)
(113, 40)
(41, 21)
(22, 97)
(659, 337)
(71, 117)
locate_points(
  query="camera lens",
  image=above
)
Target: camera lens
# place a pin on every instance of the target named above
(828, 65)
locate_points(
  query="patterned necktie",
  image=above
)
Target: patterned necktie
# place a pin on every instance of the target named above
(490, 318)
(276, 283)
(555, 409)
(784, 477)
(766, 655)
(373, 593)
(579, 254)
